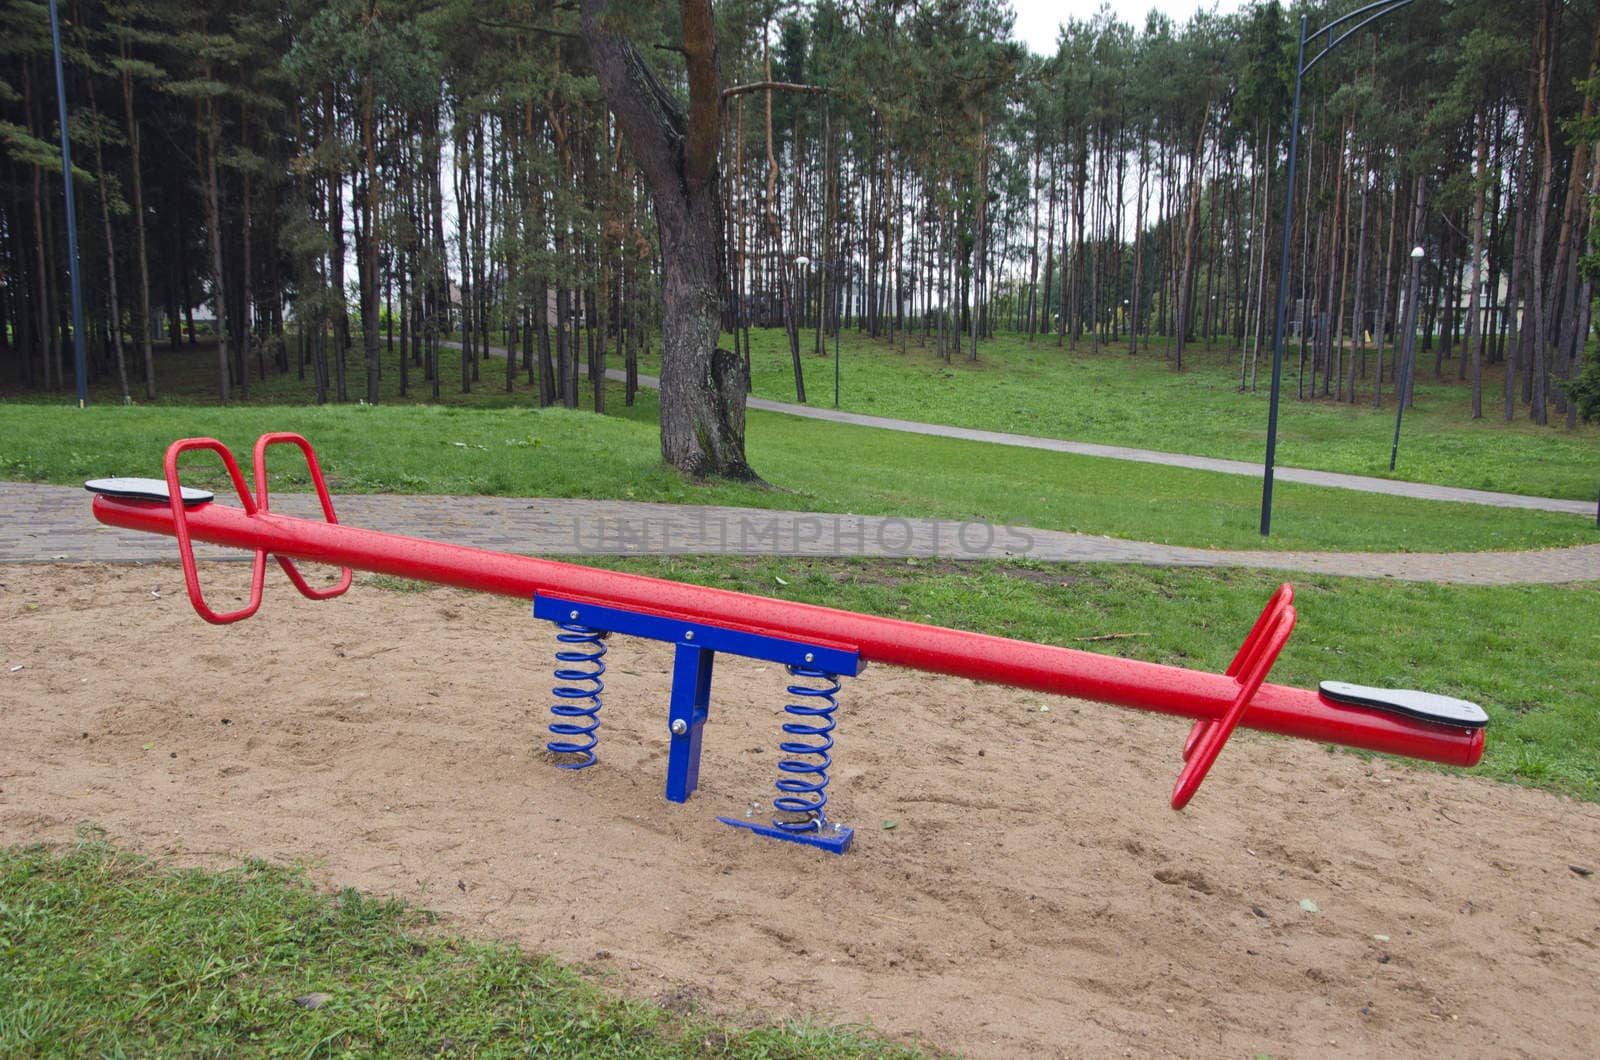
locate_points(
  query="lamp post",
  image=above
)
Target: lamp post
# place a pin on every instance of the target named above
(1335, 34)
(79, 363)
(837, 268)
(1408, 362)
(838, 322)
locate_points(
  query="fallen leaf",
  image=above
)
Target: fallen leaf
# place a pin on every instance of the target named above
(1308, 905)
(890, 826)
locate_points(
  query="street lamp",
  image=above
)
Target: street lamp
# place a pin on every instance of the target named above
(80, 366)
(1362, 17)
(837, 269)
(1408, 362)
(838, 322)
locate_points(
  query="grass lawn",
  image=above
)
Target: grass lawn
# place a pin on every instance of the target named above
(520, 451)
(107, 954)
(1041, 389)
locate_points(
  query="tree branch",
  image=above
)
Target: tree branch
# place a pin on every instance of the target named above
(775, 86)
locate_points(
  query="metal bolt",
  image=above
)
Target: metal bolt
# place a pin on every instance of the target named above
(809, 657)
(679, 726)
(572, 615)
(688, 634)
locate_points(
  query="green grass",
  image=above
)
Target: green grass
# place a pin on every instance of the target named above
(1041, 389)
(1526, 653)
(107, 954)
(814, 465)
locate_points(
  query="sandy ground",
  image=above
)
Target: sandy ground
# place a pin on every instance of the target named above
(1036, 896)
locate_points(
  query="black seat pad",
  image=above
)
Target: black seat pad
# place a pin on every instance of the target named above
(1425, 706)
(146, 489)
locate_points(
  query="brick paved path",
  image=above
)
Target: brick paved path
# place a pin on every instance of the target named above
(54, 523)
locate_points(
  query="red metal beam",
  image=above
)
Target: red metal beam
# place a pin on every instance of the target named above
(1065, 671)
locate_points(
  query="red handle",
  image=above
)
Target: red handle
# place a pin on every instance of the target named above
(180, 522)
(260, 464)
(1250, 666)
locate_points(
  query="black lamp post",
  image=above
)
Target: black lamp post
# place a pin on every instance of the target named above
(1409, 361)
(837, 268)
(1335, 34)
(80, 366)
(838, 322)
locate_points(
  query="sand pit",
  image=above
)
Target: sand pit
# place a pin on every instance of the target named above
(1036, 896)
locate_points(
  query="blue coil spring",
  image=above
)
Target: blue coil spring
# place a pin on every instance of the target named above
(805, 768)
(577, 694)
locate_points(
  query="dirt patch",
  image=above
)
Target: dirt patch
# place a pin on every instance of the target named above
(1035, 896)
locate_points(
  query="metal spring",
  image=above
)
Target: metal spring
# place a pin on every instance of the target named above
(805, 772)
(577, 695)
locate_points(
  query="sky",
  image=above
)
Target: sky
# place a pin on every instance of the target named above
(1037, 19)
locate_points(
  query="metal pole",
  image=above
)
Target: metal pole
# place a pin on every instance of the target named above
(80, 367)
(838, 323)
(1283, 292)
(1407, 362)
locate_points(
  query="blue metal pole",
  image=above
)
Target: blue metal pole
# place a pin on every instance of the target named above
(1283, 291)
(80, 366)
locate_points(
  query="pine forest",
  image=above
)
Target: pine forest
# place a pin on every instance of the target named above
(316, 182)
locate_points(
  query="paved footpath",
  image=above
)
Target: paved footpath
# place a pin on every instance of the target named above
(55, 524)
(1334, 480)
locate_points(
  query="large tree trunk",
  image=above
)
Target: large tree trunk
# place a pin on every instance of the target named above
(702, 387)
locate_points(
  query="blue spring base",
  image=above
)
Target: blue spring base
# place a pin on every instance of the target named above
(697, 645)
(832, 837)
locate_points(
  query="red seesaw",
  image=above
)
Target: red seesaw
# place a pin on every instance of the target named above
(818, 644)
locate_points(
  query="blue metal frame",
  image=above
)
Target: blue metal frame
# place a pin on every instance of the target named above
(690, 703)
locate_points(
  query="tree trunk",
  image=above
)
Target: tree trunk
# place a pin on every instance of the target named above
(702, 387)
(1474, 317)
(369, 247)
(212, 132)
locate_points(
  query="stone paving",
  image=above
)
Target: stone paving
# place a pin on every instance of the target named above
(1334, 480)
(56, 524)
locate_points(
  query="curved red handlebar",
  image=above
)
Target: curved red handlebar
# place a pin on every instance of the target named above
(252, 506)
(260, 467)
(180, 522)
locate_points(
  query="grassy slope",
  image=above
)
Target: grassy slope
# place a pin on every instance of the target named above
(520, 452)
(106, 954)
(1039, 388)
